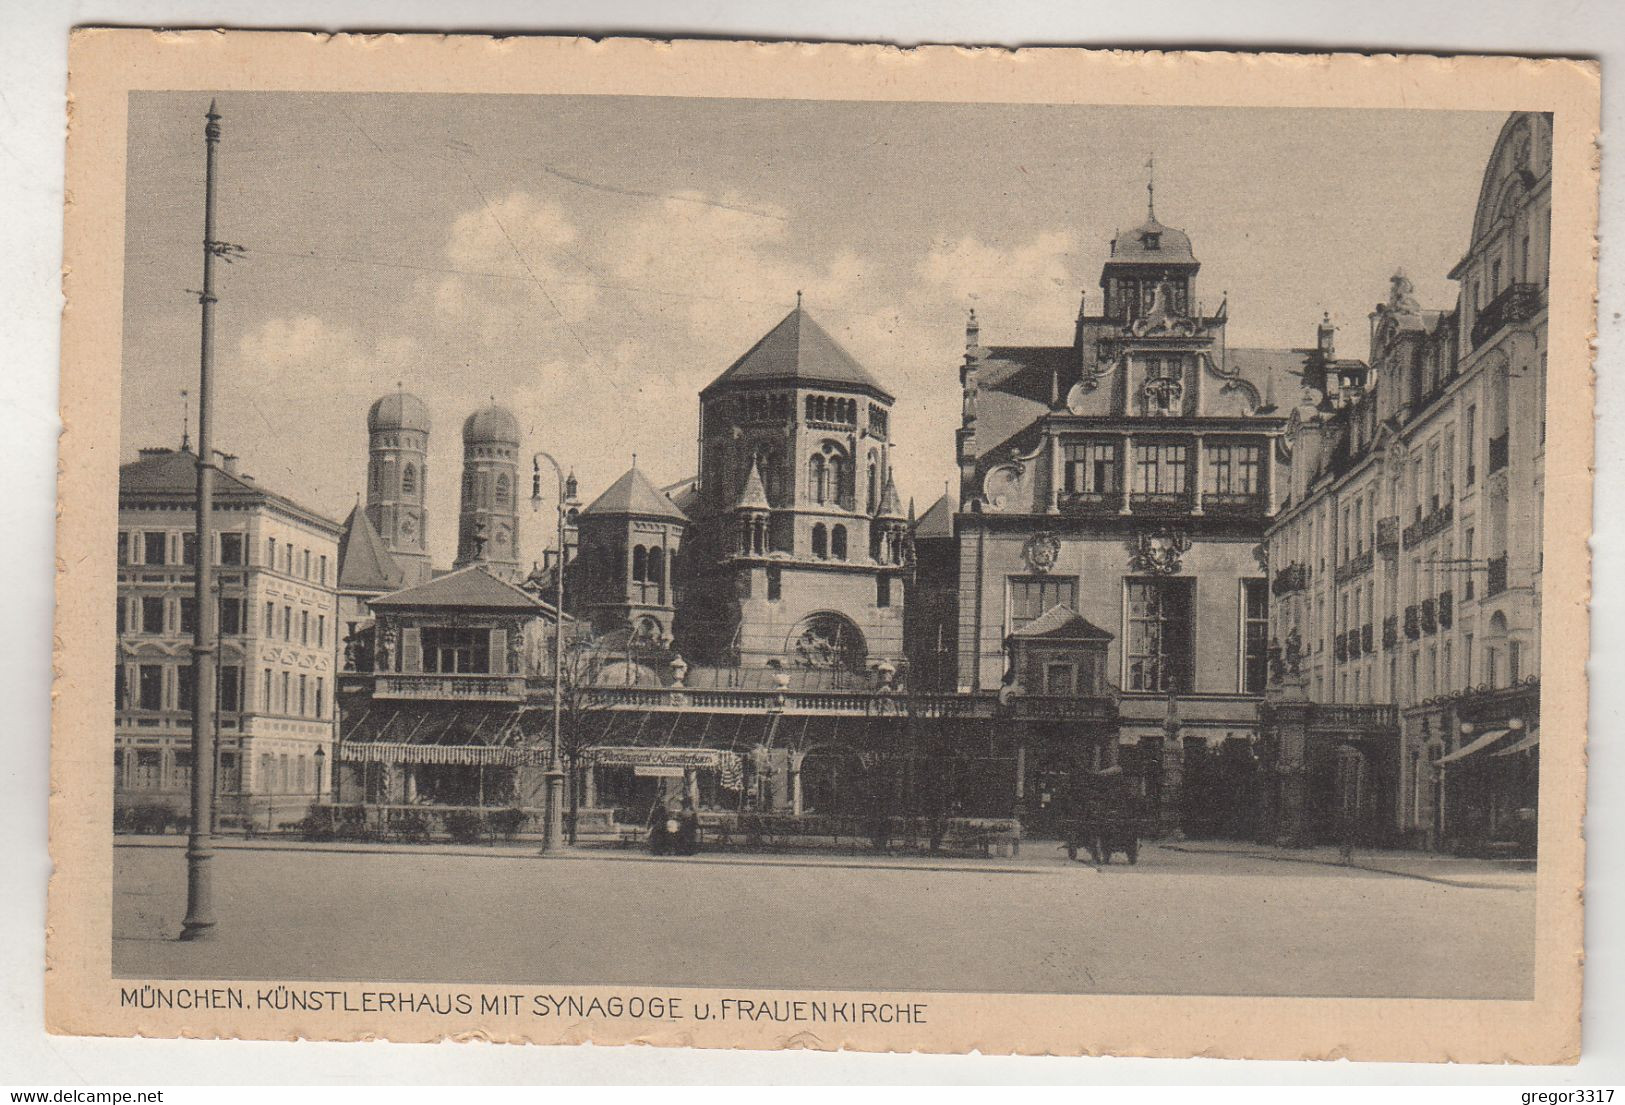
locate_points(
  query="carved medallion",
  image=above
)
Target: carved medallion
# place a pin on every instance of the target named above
(1041, 552)
(1157, 551)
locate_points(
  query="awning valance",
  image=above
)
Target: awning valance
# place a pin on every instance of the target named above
(394, 752)
(1529, 742)
(1479, 743)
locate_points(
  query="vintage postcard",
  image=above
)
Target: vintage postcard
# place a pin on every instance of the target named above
(767, 546)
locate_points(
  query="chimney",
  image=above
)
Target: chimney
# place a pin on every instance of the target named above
(228, 463)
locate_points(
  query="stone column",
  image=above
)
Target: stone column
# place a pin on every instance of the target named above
(1200, 468)
(796, 760)
(1128, 473)
(590, 786)
(1289, 712)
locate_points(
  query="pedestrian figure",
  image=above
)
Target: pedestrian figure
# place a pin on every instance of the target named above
(688, 829)
(661, 829)
(1345, 837)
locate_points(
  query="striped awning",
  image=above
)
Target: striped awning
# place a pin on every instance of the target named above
(1481, 742)
(395, 752)
(1529, 742)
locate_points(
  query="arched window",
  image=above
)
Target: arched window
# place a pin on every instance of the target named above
(502, 490)
(656, 566)
(409, 480)
(377, 476)
(812, 401)
(671, 573)
(820, 542)
(839, 478)
(817, 479)
(640, 564)
(874, 485)
(837, 542)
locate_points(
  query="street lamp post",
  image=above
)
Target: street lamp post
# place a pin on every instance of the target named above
(553, 823)
(321, 761)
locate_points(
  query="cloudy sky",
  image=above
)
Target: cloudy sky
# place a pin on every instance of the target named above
(592, 262)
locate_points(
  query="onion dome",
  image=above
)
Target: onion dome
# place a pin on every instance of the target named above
(399, 410)
(491, 425)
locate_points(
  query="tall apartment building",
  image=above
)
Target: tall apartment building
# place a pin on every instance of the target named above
(277, 578)
(1407, 558)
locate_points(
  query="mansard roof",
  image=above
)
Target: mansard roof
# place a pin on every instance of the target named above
(365, 563)
(798, 352)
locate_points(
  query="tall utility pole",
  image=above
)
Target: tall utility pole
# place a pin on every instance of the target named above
(200, 844)
(553, 817)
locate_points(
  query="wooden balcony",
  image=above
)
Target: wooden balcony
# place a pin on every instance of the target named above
(458, 688)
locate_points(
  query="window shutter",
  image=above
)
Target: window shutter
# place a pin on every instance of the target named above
(411, 650)
(499, 651)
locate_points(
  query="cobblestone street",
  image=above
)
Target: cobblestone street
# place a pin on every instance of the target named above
(1187, 919)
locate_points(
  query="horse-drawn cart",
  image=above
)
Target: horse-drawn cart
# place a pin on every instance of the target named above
(1110, 818)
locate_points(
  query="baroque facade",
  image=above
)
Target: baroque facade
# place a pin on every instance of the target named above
(1105, 539)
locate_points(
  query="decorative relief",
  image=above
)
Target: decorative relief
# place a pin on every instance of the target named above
(1158, 551)
(1041, 552)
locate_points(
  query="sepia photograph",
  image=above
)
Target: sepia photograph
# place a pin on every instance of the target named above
(796, 561)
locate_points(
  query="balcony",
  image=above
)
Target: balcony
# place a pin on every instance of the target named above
(1294, 577)
(1518, 303)
(1355, 566)
(1498, 453)
(1390, 631)
(1498, 576)
(1447, 609)
(1430, 617)
(1413, 622)
(1388, 535)
(1160, 502)
(1225, 502)
(460, 688)
(1354, 718)
(1091, 502)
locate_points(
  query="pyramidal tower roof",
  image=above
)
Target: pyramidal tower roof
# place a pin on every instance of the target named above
(890, 505)
(633, 494)
(365, 563)
(799, 351)
(754, 494)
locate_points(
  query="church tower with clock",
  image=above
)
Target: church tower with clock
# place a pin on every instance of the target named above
(397, 478)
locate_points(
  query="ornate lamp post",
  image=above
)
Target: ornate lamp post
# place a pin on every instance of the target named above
(321, 762)
(553, 815)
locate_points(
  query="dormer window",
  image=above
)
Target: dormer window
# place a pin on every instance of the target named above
(1153, 240)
